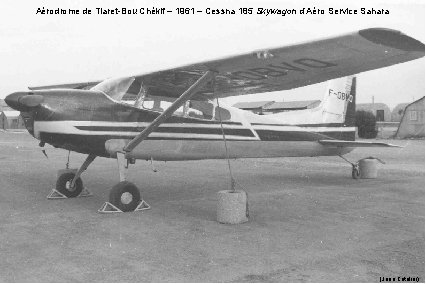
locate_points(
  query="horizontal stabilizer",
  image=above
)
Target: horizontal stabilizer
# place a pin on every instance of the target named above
(342, 143)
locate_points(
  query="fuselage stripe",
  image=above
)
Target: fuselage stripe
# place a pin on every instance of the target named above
(188, 131)
(198, 130)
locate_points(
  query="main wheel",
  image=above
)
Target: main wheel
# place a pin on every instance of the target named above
(356, 173)
(63, 185)
(125, 196)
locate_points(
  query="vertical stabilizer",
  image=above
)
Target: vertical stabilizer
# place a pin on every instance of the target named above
(338, 100)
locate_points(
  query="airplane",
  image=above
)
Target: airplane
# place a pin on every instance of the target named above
(175, 114)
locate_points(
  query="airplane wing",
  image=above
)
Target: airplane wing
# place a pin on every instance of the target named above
(289, 67)
(281, 68)
(343, 143)
(83, 86)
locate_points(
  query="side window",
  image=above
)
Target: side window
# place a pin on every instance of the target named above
(200, 109)
(155, 104)
(195, 109)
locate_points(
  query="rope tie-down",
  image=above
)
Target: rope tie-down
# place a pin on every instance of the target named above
(364, 168)
(232, 207)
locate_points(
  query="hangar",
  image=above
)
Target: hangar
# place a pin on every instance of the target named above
(11, 119)
(380, 110)
(398, 112)
(413, 120)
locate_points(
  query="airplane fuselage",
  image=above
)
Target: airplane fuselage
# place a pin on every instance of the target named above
(89, 122)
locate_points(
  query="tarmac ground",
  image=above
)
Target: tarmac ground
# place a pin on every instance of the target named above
(309, 220)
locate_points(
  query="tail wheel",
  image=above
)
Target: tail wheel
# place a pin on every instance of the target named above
(63, 185)
(125, 196)
(356, 173)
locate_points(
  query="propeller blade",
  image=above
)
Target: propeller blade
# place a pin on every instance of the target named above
(23, 101)
(31, 100)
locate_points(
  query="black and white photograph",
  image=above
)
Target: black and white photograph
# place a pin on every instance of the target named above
(212, 141)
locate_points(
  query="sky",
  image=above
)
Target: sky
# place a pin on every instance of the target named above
(39, 49)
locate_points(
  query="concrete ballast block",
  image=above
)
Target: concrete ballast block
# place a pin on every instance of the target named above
(368, 168)
(232, 207)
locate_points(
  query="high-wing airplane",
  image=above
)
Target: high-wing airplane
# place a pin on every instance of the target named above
(175, 114)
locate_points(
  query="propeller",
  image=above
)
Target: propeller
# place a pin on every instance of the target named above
(31, 100)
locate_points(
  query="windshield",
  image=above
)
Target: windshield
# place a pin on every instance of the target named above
(115, 88)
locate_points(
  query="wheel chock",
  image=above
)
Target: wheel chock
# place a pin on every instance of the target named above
(54, 194)
(143, 206)
(111, 208)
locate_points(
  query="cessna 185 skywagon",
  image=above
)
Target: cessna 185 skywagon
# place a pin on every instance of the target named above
(176, 113)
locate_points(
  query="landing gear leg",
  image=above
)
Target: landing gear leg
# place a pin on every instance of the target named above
(69, 183)
(124, 196)
(122, 166)
(356, 173)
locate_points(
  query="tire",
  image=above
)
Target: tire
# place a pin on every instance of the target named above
(63, 185)
(356, 173)
(125, 196)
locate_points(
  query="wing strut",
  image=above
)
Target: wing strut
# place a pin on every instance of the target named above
(201, 82)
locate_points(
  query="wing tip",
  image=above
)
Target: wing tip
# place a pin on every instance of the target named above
(393, 38)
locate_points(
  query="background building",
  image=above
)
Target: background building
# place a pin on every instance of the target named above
(11, 119)
(413, 121)
(380, 110)
(398, 112)
(4, 106)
